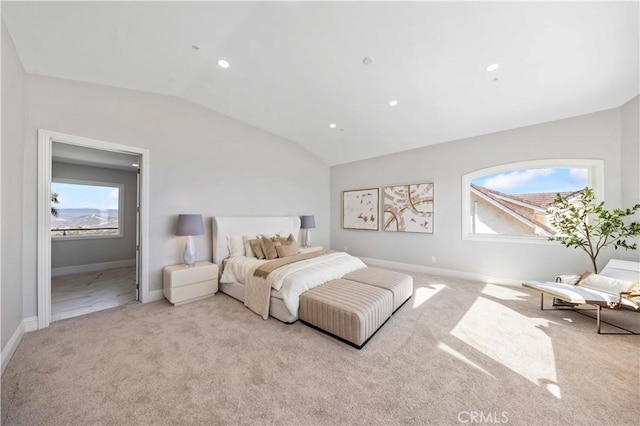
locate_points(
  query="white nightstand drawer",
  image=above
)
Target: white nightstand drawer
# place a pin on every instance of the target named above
(190, 293)
(179, 275)
(183, 284)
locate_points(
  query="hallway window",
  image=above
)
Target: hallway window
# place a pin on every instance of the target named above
(85, 209)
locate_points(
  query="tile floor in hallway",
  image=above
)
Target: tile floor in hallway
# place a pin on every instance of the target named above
(79, 294)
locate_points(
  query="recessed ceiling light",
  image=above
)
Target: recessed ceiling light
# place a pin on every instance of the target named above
(493, 67)
(223, 64)
(135, 165)
(195, 48)
(393, 103)
(367, 60)
(332, 125)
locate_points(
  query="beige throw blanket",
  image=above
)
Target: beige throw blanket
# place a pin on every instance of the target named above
(257, 290)
(264, 270)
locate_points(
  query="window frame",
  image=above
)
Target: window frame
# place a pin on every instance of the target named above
(595, 181)
(120, 187)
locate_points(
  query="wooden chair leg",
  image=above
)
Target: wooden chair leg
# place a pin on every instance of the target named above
(598, 319)
(542, 301)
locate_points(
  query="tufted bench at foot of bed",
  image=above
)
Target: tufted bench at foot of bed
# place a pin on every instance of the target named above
(349, 310)
(401, 285)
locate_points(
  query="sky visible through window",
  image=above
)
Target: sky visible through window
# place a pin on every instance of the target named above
(526, 181)
(76, 196)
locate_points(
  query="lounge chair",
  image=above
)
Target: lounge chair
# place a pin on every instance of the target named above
(616, 287)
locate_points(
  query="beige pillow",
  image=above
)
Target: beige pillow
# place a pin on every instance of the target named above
(269, 248)
(256, 247)
(635, 289)
(635, 293)
(285, 250)
(285, 240)
(289, 241)
(584, 277)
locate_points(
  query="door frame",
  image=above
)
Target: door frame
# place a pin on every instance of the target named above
(45, 147)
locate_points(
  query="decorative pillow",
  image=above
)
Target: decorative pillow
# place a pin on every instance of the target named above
(605, 284)
(248, 251)
(285, 250)
(635, 293)
(269, 247)
(256, 248)
(289, 241)
(236, 245)
(635, 289)
(583, 277)
(286, 240)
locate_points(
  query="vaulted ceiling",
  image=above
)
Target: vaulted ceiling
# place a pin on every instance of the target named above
(297, 67)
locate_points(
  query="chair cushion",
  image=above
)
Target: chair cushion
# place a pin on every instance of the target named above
(606, 284)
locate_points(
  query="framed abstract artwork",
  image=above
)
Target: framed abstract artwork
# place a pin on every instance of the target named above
(408, 208)
(360, 209)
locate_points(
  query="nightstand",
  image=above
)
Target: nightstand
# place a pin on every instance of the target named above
(184, 284)
(309, 249)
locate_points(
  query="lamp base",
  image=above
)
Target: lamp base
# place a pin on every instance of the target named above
(189, 252)
(307, 237)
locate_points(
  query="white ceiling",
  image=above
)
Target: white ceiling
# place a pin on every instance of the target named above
(74, 154)
(297, 66)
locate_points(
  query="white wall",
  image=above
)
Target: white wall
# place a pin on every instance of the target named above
(630, 168)
(594, 136)
(631, 152)
(88, 251)
(200, 162)
(13, 104)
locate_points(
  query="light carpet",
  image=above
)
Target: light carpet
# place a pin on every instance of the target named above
(459, 352)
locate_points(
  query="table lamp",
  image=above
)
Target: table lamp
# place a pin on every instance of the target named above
(189, 225)
(307, 223)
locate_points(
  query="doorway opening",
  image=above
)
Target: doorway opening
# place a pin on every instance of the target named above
(92, 226)
(94, 203)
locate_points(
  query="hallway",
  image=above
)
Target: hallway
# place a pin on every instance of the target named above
(79, 294)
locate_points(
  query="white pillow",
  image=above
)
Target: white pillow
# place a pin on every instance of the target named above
(236, 245)
(606, 284)
(247, 247)
(267, 236)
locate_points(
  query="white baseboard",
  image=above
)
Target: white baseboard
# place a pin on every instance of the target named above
(27, 324)
(30, 324)
(155, 295)
(91, 267)
(439, 271)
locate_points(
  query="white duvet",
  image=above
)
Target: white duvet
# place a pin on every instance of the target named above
(290, 281)
(236, 269)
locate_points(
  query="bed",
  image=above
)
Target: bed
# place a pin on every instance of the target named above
(236, 268)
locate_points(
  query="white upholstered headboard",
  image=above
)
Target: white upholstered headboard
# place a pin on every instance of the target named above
(245, 225)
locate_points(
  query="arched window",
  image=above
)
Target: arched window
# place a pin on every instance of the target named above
(510, 202)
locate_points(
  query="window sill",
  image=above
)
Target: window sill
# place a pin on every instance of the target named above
(507, 239)
(85, 237)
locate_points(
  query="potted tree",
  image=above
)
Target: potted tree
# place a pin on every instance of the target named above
(584, 223)
(54, 200)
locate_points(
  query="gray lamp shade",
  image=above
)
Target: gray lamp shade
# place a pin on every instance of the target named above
(307, 222)
(189, 224)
